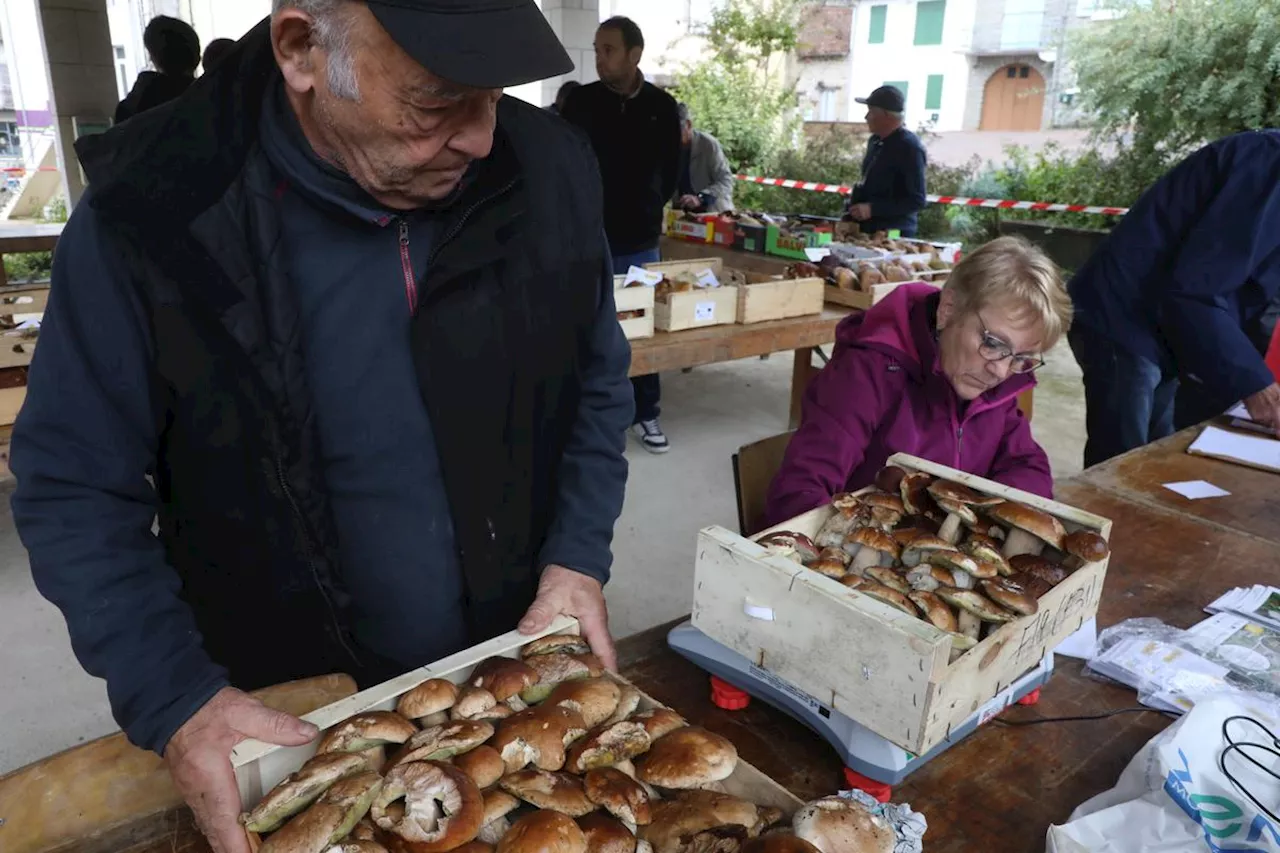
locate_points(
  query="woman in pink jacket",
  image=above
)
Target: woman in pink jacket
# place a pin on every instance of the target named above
(933, 374)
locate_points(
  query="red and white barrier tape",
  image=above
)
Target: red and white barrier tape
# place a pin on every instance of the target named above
(996, 203)
(21, 171)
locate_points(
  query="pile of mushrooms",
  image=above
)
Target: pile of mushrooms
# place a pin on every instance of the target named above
(942, 552)
(542, 753)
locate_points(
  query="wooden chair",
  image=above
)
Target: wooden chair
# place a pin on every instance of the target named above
(753, 468)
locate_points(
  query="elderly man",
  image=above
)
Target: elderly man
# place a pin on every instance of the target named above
(705, 183)
(892, 189)
(1175, 311)
(332, 318)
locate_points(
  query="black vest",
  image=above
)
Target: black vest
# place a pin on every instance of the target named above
(505, 315)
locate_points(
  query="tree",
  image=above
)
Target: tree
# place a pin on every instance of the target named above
(1180, 73)
(736, 92)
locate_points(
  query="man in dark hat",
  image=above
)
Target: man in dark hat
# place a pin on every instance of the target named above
(892, 189)
(334, 320)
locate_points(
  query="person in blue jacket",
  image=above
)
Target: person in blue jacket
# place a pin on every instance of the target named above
(1173, 311)
(891, 192)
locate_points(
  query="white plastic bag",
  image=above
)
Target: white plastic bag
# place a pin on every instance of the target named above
(1174, 796)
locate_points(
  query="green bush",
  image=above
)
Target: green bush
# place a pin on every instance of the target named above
(35, 266)
(1089, 177)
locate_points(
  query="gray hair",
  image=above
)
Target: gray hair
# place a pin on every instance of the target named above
(333, 36)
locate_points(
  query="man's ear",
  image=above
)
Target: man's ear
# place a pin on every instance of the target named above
(635, 53)
(293, 42)
(946, 308)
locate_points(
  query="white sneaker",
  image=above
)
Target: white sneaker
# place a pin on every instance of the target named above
(651, 436)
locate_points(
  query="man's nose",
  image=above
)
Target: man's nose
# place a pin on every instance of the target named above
(475, 137)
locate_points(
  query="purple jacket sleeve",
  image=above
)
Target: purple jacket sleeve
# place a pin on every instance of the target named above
(841, 410)
(1019, 461)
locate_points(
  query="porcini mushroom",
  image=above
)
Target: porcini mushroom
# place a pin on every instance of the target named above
(594, 698)
(567, 644)
(839, 824)
(429, 702)
(915, 494)
(1038, 567)
(606, 834)
(890, 578)
(778, 842)
(659, 722)
(366, 731)
(537, 736)
(889, 478)
(483, 764)
(689, 757)
(302, 788)
(1010, 595)
(441, 809)
(935, 611)
(958, 562)
(1029, 529)
(472, 703)
(794, 546)
(547, 790)
(891, 597)
(552, 669)
(920, 547)
(678, 819)
(845, 516)
(871, 546)
(886, 509)
(497, 805)
(607, 745)
(984, 549)
(618, 794)
(972, 601)
(1084, 546)
(437, 743)
(628, 701)
(504, 677)
(959, 502)
(926, 578)
(330, 819)
(544, 832)
(832, 562)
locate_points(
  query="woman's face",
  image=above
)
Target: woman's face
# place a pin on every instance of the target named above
(1009, 325)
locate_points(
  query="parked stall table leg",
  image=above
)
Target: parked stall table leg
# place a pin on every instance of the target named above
(802, 371)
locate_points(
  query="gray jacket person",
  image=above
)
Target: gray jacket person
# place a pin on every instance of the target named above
(705, 181)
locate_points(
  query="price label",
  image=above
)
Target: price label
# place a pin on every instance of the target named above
(648, 278)
(707, 278)
(704, 312)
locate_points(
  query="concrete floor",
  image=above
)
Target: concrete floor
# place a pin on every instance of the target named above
(49, 703)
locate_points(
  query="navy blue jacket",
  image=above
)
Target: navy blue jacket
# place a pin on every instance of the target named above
(893, 182)
(1187, 275)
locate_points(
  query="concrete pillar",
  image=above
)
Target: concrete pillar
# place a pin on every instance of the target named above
(575, 21)
(77, 48)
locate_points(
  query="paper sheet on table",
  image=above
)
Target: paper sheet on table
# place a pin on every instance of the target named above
(1083, 644)
(1197, 489)
(1240, 419)
(1234, 447)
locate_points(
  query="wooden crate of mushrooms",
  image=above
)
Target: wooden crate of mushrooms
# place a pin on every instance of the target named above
(525, 746)
(909, 604)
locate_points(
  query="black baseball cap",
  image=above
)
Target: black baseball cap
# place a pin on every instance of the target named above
(886, 98)
(488, 44)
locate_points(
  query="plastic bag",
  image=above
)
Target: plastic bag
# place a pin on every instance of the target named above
(908, 825)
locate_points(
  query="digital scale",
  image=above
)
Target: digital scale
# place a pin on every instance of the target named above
(880, 763)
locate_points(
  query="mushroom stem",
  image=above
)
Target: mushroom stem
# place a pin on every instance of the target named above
(968, 624)
(439, 718)
(1072, 562)
(950, 530)
(1021, 542)
(963, 580)
(865, 559)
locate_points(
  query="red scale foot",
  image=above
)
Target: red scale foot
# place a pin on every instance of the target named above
(1031, 698)
(879, 790)
(725, 695)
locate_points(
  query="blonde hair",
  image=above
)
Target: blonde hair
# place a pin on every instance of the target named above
(1012, 269)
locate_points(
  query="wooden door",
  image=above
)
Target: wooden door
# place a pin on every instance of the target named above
(1013, 99)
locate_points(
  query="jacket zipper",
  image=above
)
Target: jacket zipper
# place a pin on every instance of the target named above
(410, 284)
(462, 220)
(311, 562)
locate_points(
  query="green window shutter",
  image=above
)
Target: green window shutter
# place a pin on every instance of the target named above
(929, 17)
(900, 85)
(878, 15)
(933, 92)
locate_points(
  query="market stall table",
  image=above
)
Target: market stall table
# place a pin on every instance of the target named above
(15, 239)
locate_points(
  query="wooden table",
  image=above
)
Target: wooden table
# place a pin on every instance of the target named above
(15, 239)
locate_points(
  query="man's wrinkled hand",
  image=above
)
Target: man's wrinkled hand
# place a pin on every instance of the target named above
(199, 760)
(1264, 406)
(566, 592)
(860, 212)
(690, 202)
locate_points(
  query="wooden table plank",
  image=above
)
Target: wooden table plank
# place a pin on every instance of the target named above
(695, 347)
(31, 237)
(1250, 508)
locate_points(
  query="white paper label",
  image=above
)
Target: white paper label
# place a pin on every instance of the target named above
(649, 278)
(755, 611)
(816, 255)
(704, 312)
(707, 278)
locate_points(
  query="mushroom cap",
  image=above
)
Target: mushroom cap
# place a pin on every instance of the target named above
(1087, 546)
(595, 699)
(503, 677)
(569, 644)
(1034, 586)
(688, 757)
(891, 578)
(935, 611)
(366, 730)
(884, 500)
(835, 824)
(595, 666)
(474, 847)
(1039, 524)
(875, 539)
(302, 788)
(483, 764)
(927, 542)
(891, 597)
(1038, 567)
(552, 669)
(357, 845)
(958, 508)
(547, 790)
(889, 478)
(659, 722)
(832, 562)
(691, 812)
(538, 736)
(915, 493)
(974, 602)
(1010, 595)
(805, 546)
(845, 502)
(446, 740)
(854, 581)
(607, 745)
(442, 808)
(984, 549)
(618, 794)
(628, 701)
(778, 842)
(473, 702)
(430, 697)
(543, 832)
(947, 490)
(926, 578)
(498, 804)
(956, 561)
(606, 834)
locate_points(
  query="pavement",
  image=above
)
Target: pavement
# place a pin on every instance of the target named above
(957, 148)
(49, 703)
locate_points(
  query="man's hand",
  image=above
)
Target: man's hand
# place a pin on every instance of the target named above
(564, 591)
(199, 759)
(1264, 406)
(690, 202)
(860, 212)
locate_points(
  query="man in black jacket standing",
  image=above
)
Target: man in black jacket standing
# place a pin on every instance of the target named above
(634, 128)
(892, 189)
(333, 318)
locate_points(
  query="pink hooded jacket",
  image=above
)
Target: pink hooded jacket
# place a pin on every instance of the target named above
(884, 392)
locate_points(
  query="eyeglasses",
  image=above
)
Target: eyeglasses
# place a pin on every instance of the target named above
(993, 349)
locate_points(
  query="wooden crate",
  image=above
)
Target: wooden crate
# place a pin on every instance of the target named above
(260, 766)
(713, 306)
(864, 300)
(766, 297)
(883, 668)
(634, 299)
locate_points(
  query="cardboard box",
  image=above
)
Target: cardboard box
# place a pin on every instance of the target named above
(789, 246)
(735, 235)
